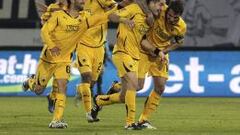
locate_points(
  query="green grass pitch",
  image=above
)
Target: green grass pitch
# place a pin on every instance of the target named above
(174, 116)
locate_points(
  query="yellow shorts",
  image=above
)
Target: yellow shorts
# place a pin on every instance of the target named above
(90, 60)
(45, 71)
(153, 66)
(144, 65)
(124, 63)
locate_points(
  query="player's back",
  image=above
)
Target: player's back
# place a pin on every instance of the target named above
(96, 36)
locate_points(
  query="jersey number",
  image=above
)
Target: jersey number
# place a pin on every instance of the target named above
(68, 69)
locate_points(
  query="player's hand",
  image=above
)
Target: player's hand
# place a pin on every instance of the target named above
(55, 51)
(130, 23)
(162, 56)
(150, 19)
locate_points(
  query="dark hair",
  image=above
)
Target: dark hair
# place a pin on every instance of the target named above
(176, 6)
(168, 2)
(69, 3)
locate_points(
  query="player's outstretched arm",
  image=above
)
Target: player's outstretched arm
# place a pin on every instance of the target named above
(117, 19)
(92, 21)
(152, 50)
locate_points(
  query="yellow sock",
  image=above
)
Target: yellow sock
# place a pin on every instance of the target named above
(108, 99)
(84, 88)
(54, 90)
(150, 106)
(31, 84)
(53, 94)
(59, 106)
(130, 106)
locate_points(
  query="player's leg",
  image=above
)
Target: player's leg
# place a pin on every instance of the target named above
(102, 100)
(142, 71)
(130, 84)
(97, 67)
(99, 83)
(127, 71)
(152, 102)
(160, 76)
(60, 103)
(37, 83)
(52, 96)
(85, 63)
(114, 88)
(61, 75)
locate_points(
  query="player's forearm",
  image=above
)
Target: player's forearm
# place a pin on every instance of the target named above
(97, 20)
(114, 18)
(92, 21)
(147, 46)
(171, 47)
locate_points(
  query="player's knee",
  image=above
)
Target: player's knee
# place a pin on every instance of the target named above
(86, 77)
(140, 86)
(160, 89)
(39, 90)
(92, 84)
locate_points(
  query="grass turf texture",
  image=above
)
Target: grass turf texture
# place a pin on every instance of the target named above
(175, 116)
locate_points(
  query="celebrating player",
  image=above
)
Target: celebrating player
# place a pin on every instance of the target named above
(168, 26)
(90, 53)
(60, 34)
(126, 52)
(154, 60)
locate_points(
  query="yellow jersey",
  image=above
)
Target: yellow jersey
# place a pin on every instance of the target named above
(51, 8)
(160, 35)
(128, 40)
(96, 36)
(64, 31)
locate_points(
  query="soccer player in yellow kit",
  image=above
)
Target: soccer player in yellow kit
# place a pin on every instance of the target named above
(90, 53)
(45, 13)
(60, 35)
(167, 27)
(126, 52)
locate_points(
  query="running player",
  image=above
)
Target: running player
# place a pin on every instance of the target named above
(45, 13)
(60, 35)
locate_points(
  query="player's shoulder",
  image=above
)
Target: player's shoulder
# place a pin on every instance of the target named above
(58, 13)
(53, 7)
(106, 3)
(182, 26)
(134, 8)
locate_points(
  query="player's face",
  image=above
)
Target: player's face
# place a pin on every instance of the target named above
(79, 4)
(172, 17)
(156, 7)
